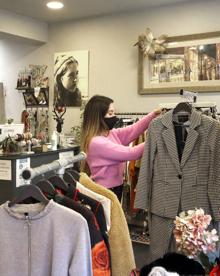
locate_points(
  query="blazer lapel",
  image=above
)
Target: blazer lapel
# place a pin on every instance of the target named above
(170, 138)
(195, 120)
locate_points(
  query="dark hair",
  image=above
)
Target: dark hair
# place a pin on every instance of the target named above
(93, 119)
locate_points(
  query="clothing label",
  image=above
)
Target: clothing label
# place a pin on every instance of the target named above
(5, 169)
(21, 164)
(66, 155)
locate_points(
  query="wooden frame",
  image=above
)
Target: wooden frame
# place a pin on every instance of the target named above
(41, 100)
(182, 42)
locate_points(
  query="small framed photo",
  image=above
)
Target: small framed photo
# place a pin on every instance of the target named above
(29, 98)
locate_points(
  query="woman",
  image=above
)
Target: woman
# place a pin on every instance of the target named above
(107, 149)
(66, 79)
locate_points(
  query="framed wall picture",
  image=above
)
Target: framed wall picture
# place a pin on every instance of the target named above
(191, 62)
(30, 99)
(71, 70)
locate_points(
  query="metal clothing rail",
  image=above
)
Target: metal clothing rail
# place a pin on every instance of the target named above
(29, 174)
(131, 113)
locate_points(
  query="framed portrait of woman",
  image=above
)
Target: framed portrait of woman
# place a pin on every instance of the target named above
(70, 78)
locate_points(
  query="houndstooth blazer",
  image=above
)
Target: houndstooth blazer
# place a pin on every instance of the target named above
(167, 186)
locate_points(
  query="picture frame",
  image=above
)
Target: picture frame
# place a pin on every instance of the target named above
(34, 98)
(29, 99)
(191, 62)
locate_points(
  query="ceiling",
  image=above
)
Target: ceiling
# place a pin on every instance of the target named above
(77, 9)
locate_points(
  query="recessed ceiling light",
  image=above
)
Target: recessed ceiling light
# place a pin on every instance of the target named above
(55, 5)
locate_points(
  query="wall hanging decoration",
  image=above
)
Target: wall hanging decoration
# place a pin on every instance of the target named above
(149, 45)
(167, 64)
(70, 78)
(33, 82)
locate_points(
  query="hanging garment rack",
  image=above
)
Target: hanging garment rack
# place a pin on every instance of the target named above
(196, 105)
(131, 113)
(29, 174)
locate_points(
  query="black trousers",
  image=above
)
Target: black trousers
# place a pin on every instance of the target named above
(118, 191)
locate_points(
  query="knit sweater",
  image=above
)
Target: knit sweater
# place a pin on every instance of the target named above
(107, 154)
(122, 255)
(43, 240)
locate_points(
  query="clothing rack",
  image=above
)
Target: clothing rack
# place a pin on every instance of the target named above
(29, 174)
(131, 113)
(196, 105)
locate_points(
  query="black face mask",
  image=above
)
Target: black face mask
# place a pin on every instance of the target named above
(111, 121)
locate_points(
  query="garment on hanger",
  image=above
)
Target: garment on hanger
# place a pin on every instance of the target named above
(106, 203)
(122, 256)
(49, 240)
(168, 185)
(99, 251)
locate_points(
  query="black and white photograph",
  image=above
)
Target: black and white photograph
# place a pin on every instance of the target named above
(70, 78)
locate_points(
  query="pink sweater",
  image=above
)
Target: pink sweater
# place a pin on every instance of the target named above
(107, 154)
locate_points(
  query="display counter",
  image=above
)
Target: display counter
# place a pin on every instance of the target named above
(12, 165)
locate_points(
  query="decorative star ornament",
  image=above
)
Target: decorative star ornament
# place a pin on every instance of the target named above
(150, 45)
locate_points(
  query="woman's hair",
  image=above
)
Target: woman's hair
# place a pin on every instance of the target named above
(93, 119)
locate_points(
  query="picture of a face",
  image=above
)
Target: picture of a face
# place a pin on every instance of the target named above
(70, 77)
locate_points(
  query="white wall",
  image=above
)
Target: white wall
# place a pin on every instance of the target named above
(13, 57)
(22, 26)
(113, 59)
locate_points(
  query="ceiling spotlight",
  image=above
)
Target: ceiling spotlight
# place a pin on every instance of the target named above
(55, 5)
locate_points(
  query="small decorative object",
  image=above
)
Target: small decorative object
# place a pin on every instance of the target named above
(24, 78)
(59, 111)
(38, 75)
(194, 240)
(150, 45)
(9, 145)
(10, 121)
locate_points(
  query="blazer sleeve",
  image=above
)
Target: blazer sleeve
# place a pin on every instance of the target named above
(143, 188)
(214, 170)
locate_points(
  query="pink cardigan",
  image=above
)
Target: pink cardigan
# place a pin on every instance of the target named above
(107, 154)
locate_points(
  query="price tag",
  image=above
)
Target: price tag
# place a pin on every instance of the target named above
(5, 169)
(66, 155)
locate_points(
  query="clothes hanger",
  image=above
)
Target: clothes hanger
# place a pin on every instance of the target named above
(69, 178)
(28, 192)
(58, 182)
(75, 174)
(46, 187)
(182, 112)
(183, 106)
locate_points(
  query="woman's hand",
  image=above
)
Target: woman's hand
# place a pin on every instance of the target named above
(158, 111)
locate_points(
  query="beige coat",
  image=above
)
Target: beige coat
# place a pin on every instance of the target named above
(122, 255)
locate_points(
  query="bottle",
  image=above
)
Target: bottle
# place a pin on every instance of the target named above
(54, 140)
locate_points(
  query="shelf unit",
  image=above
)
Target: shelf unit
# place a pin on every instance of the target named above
(33, 100)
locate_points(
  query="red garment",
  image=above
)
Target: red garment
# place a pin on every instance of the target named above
(99, 250)
(215, 271)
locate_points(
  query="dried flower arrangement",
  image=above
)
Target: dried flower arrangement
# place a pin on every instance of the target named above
(194, 240)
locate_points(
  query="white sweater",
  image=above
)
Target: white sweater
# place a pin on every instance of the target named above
(39, 240)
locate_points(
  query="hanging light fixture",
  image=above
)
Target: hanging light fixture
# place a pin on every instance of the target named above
(55, 5)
